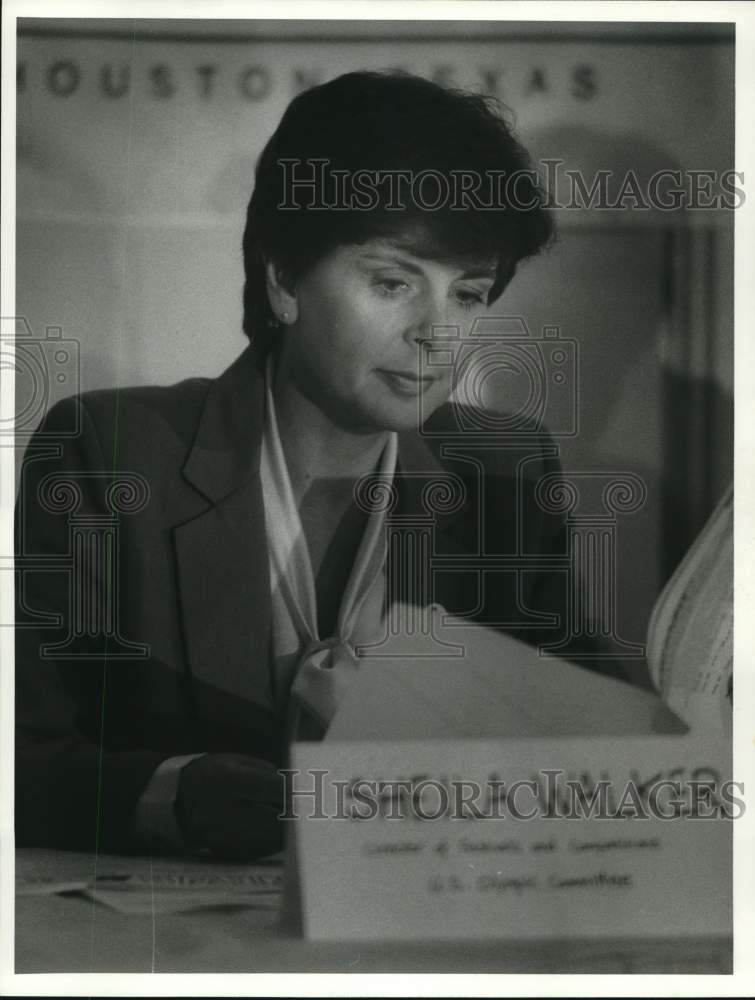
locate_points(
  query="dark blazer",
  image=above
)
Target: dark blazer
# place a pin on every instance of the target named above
(181, 661)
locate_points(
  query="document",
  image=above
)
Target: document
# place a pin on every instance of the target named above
(482, 683)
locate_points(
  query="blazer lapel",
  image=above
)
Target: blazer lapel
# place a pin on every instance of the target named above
(222, 557)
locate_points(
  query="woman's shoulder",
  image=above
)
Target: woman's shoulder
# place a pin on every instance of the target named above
(182, 397)
(176, 405)
(135, 427)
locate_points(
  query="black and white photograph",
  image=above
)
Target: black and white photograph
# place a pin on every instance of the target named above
(368, 444)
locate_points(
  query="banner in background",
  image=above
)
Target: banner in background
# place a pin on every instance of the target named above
(165, 126)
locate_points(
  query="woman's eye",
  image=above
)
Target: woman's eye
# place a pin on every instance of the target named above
(391, 285)
(467, 300)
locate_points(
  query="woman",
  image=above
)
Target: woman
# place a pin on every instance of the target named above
(385, 207)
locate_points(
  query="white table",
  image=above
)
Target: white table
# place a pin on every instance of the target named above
(74, 934)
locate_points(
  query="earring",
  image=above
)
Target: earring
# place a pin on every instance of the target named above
(284, 316)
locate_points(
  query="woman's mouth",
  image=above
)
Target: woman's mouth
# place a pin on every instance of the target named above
(406, 383)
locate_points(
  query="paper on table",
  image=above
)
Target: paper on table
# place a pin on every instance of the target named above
(46, 887)
(498, 688)
(139, 885)
(146, 899)
(170, 887)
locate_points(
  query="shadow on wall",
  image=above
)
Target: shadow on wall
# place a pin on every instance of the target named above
(69, 260)
(608, 285)
(619, 282)
(634, 287)
(231, 187)
(49, 182)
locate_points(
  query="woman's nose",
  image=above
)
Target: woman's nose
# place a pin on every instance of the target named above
(429, 316)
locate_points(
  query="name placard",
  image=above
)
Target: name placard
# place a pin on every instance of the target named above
(514, 839)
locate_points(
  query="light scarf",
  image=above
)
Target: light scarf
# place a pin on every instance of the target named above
(315, 670)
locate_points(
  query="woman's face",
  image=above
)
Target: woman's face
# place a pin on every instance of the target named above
(363, 311)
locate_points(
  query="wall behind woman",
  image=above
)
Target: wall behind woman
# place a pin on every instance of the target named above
(136, 149)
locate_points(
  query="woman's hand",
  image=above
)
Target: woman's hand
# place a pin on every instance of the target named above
(230, 803)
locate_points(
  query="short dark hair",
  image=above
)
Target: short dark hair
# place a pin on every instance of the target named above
(387, 122)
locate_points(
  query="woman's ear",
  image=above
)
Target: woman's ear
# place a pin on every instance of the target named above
(281, 294)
